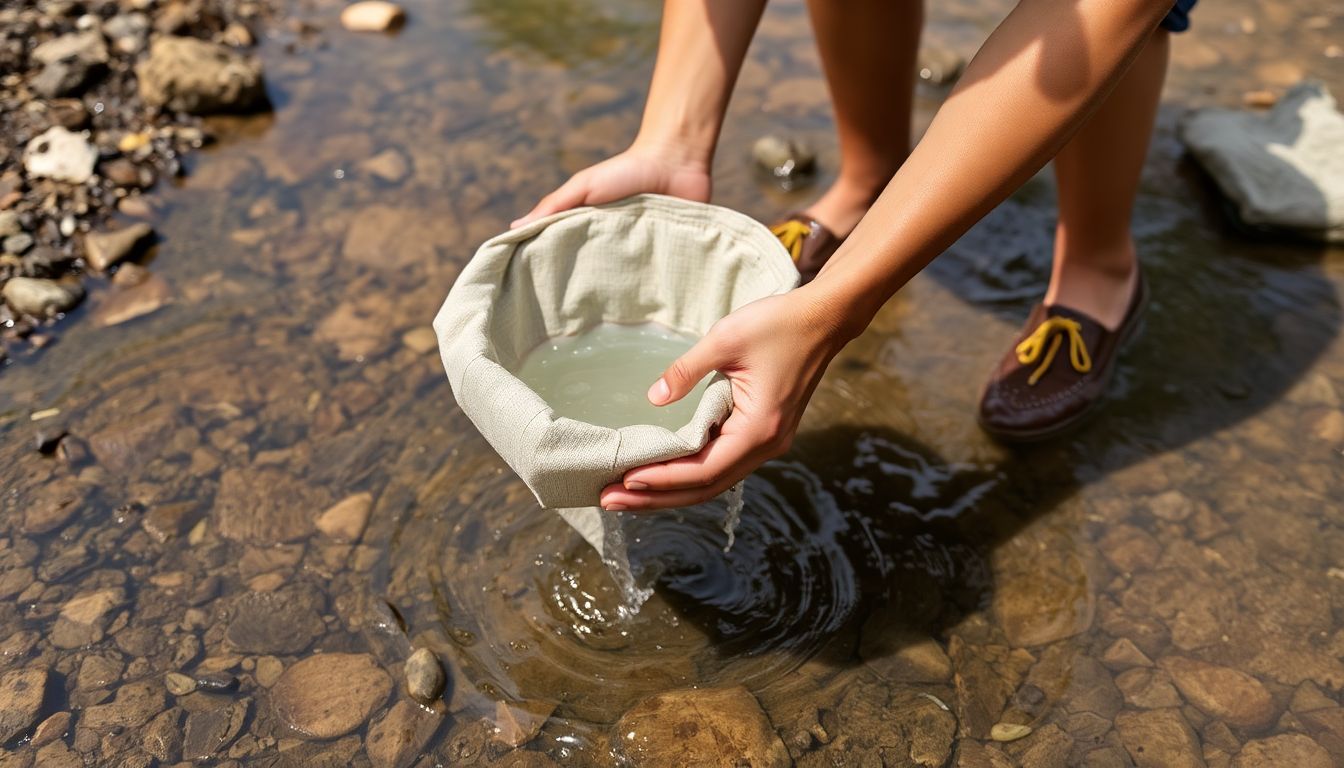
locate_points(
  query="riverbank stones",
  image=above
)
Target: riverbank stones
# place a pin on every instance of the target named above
(331, 694)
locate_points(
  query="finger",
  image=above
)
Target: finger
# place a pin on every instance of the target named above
(687, 371)
(571, 194)
(700, 470)
(617, 498)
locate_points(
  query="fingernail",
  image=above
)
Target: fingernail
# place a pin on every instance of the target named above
(659, 392)
(615, 507)
(635, 485)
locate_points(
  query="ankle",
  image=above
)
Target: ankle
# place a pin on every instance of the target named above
(842, 206)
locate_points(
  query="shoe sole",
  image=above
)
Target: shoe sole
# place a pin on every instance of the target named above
(1060, 428)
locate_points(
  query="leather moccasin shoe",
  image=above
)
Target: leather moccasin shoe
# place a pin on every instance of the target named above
(808, 241)
(1056, 372)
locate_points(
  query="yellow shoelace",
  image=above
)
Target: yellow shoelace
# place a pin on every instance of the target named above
(1029, 351)
(791, 234)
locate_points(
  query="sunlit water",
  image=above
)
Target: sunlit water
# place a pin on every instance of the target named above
(1197, 515)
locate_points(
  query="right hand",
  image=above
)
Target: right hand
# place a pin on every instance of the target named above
(632, 172)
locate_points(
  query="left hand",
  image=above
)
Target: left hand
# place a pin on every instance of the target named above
(774, 352)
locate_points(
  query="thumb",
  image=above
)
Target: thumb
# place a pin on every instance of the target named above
(686, 371)
(571, 194)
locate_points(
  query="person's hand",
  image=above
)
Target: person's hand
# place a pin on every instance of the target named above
(774, 351)
(665, 170)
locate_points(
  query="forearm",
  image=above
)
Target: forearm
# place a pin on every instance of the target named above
(1033, 82)
(700, 52)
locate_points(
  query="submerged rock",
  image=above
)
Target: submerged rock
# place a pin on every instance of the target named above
(84, 619)
(939, 65)
(399, 738)
(1222, 692)
(346, 520)
(40, 297)
(138, 300)
(183, 74)
(517, 722)
(21, 694)
(707, 726)
(106, 249)
(424, 676)
(372, 16)
(330, 694)
(1282, 170)
(1159, 738)
(784, 159)
(1288, 749)
(60, 155)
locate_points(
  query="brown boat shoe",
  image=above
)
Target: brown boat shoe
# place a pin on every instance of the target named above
(808, 241)
(1056, 373)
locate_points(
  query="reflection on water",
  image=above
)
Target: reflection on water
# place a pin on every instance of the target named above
(272, 466)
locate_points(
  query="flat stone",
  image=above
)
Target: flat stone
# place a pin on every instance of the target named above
(1124, 654)
(106, 249)
(60, 155)
(265, 506)
(372, 16)
(55, 504)
(1309, 698)
(390, 165)
(134, 705)
(40, 297)
(1148, 688)
(1222, 692)
(179, 684)
(972, 754)
(345, 521)
(424, 676)
(1283, 169)
(330, 694)
(1159, 738)
(126, 304)
(1050, 601)
(283, 622)
(184, 74)
(162, 737)
(54, 728)
(210, 732)
(706, 726)
(400, 737)
(518, 722)
(83, 620)
(268, 671)
(21, 694)
(1288, 749)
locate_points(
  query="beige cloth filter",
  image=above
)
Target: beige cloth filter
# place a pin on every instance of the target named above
(648, 258)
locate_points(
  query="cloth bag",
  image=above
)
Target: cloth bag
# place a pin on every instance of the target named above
(648, 258)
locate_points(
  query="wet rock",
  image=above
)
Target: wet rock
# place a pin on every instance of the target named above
(1159, 738)
(1172, 506)
(1309, 698)
(162, 737)
(106, 249)
(70, 63)
(128, 32)
(706, 726)
(372, 16)
(345, 521)
(19, 244)
(400, 737)
(390, 165)
(1129, 549)
(56, 503)
(330, 694)
(1282, 169)
(83, 620)
(283, 622)
(54, 728)
(1048, 747)
(60, 155)
(265, 506)
(905, 658)
(1009, 731)
(126, 445)
(1288, 749)
(1222, 692)
(183, 74)
(268, 671)
(1148, 689)
(424, 676)
(783, 158)
(126, 304)
(517, 722)
(21, 694)
(210, 732)
(939, 65)
(40, 297)
(98, 672)
(134, 705)
(57, 755)
(420, 340)
(179, 684)
(1123, 654)
(972, 754)
(165, 522)
(1048, 596)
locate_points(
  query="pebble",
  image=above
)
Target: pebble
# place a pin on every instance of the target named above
(9, 224)
(346, 520)
(1222, 692)
(1159, 738)
(1009, 731)
(61, 155)
(18, 244)
(128, 32)
(52, 729)
(179, 684)
(103, 250)
(282, 622)
(702, 726)
(330, 694)
(184, 74)
(21, 694)
(783, 158)
(139, 300)
(40, 297)
(210, 732)
(420, 340)
(83, 619)
(390, 165)
(424, 676)
(400, 737)
(269, 669)
(372, 16)
(518, 722)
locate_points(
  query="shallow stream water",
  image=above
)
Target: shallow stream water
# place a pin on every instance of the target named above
(899, 584)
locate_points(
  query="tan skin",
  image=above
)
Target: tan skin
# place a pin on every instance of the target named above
(1074, 80)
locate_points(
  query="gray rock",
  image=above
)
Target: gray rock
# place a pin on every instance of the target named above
(424, 676)
(330, 694)
(128, 32)
(9, 224)
(60, 155)
(278, 623)
(1283, 170)
(783, 158)
(400, 737)
(184, 74)
(40, 297)
(70, 62)
(939, 65)
(84, 619)
(18, 244)
(21, 693)
(106, 249)
(211, 731)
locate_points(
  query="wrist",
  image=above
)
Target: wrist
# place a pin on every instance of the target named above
(686, 148)
(835, 316)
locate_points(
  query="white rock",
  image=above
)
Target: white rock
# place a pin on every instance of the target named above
(372, 16)
(1283, 169)
(61, 155)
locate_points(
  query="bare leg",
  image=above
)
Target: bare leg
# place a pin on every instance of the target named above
(1098, 173)
(868, 50)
